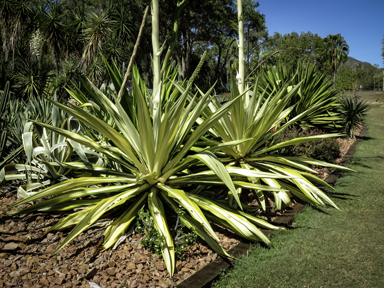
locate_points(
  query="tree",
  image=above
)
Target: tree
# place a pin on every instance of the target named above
(293, 48)
(200, 21)
(254, 31)
(338, 50)
(382, 49)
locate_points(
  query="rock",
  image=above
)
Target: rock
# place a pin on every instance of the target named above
(134, 284)
(11, 246)
(14, 274)
(112, 264)
(160, 266)
(131, 266)
(93, 285)
(111, 271)
(163, 284)
(59, 281)
(91, 273)
(99, 260)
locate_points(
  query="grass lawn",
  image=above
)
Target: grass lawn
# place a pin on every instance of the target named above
(328, 247)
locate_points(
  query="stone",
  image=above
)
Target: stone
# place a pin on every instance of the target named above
(11, 246)
(131, 266)
(111, 271)
(160, 266)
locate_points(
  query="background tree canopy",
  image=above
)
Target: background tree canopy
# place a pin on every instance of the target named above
(46, 44)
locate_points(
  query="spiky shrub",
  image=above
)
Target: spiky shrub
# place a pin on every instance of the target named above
(46, 153)
(315, 88)
(327, 150)
(254, 118)
(352, 112)
(153, 160)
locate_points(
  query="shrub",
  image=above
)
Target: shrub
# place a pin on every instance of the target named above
(352, 111)
(327, 150)
(153, 241)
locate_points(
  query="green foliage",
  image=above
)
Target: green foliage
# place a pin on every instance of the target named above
(294, 48)
(338, 50)
(315, 94)
(155, 242)
(152, 240)
(327, 150)
(323, 242)
(352, 112)
(361, 75)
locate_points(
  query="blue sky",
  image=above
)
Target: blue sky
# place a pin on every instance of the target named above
(361, 23)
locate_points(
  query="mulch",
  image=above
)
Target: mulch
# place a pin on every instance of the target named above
(27, 257)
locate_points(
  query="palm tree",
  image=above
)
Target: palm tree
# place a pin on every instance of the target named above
(97, 31)
(338, 50)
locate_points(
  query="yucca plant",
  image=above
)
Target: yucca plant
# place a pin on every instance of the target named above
(314, 89)
(352, 112)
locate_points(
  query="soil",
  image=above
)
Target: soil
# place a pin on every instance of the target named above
(27, 257)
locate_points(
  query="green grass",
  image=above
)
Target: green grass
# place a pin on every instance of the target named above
(327, 247)
(370, 96)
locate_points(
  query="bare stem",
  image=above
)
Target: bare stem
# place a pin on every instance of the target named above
(133, 55)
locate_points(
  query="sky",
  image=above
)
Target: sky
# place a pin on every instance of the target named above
(361, 23)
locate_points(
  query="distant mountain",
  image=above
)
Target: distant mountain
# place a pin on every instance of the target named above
(352, 62)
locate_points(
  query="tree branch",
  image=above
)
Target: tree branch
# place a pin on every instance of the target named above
(133, 56)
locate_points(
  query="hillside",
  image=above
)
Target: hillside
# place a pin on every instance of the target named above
(352, 62)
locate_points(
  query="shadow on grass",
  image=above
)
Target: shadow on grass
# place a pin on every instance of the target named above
(343, 196)
(365, 138)
(318, 209)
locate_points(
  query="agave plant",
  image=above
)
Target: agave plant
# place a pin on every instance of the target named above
(46, 152)
(314, 89)
(151, 159)
(254, 118)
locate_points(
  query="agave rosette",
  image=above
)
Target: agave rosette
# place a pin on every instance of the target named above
(152, 159)
(314, 89)
(260, 116)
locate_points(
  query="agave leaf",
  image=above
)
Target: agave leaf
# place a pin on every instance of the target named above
(294, 142)
(70, 220)
(72, 184)
(102, 207)
(119, 227)
(311, 161)
(232, 220)
(215, 165)
(72, 194)
(157, 211)
(203, 128)
(99, 126)
(195, 226)
(93, 145)
(190, 206)
(145, 128)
